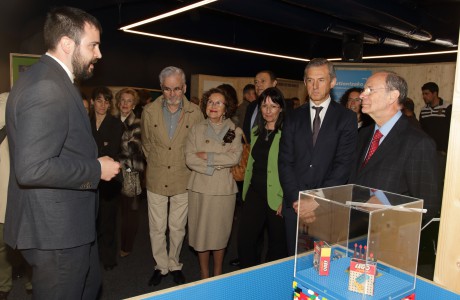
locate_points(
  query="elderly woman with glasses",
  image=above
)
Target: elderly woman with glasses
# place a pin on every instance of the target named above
(213, 147)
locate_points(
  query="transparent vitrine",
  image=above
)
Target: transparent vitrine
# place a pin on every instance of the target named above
(356, 242)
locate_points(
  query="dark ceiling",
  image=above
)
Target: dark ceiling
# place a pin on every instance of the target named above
(300, 28)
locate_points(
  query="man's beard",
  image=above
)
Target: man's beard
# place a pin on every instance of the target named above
(81, 69)
(174, 101)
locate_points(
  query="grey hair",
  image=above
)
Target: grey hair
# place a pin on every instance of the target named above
(170, 71)
(394, 82)
(318, 62)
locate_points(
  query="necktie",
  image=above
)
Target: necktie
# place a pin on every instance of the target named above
(316, 123)
(374, 145)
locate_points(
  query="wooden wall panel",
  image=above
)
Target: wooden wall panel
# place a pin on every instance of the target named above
(447, 270)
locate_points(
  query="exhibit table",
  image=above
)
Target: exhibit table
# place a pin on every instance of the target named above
(267, 281)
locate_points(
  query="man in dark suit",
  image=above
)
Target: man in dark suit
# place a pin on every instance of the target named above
(52, 200)
(405, 160)
(317, 143)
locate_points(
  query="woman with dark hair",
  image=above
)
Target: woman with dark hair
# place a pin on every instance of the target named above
(132, 160)
(262, 192)
(350, 99)
(107, 131)
(213, 147)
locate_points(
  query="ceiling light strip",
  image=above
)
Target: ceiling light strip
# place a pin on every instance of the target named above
(168, 14)
(411, 54)
(216, 45)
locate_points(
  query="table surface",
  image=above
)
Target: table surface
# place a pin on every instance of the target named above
(267, 281)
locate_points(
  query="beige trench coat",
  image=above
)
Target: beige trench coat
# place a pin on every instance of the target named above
(215, 179)
(167, 173)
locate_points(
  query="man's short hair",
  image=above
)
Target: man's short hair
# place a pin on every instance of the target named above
(248, 87)
(270, 73)
(431, 86)
(394, 82)
(67, 21)
(318, 62)
(170, 71)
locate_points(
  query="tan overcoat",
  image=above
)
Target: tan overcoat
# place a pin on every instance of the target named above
(167, 173)
(213, 178)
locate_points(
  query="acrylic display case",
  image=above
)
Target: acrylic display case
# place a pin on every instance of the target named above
(356, 242)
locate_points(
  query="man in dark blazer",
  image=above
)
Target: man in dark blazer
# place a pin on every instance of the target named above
(52, 200)
(305, 164)
(405, 161)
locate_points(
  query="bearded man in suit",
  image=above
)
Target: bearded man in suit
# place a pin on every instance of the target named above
(52, 199)
(317, 143)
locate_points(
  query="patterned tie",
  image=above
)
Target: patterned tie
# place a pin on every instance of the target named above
(316, 123)
(374, 145)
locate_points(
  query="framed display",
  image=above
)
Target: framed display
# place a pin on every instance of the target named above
(19, 63)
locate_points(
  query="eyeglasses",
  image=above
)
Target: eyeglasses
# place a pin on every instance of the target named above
(355, 99)
(368, 90)
(175, 90)
(217, 103)
(269, 107)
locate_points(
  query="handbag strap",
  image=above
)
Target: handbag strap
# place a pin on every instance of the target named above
(244, 138)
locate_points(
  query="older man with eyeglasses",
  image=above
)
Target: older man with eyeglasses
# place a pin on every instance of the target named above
(166, 122)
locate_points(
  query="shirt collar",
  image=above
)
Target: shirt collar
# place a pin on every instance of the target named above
(385, 128)
(324, 105)
(66, 69)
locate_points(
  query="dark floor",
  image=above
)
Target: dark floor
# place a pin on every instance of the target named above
(131, 275)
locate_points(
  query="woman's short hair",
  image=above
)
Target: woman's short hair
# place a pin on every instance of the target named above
(230, 102)
(129, 91)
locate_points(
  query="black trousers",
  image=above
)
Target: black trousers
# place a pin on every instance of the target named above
(129, 222)
(255, 217)
(109, 195)
(70, 274)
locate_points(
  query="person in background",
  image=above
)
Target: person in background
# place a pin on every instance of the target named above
(52, 198)
(131, 158)
(6, 269)
(350, 99)
(408, 110)
(144, 98)
(107, 131)
(249, 96)
(165, 124)
(213, 147)
(262, 192)
(317, 144)
(296, 102)
(435, 121)
(85, 103)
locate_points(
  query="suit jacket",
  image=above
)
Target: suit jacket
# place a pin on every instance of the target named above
(54, 168)
(328, 163)
(404, 163)
(247, 119)
(108, 137)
